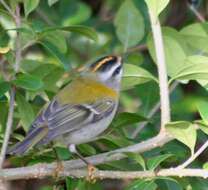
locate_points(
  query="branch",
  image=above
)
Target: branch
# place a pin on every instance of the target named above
(41, 170)
(162, 71)
(12, 92)
(193, 157)
(8, 127)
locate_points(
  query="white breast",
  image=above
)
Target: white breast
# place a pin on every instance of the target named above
(87, 133)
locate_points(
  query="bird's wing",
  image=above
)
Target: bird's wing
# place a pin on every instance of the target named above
(61, 119)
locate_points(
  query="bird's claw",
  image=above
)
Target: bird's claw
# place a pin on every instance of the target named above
(59, 168)
(91, 171)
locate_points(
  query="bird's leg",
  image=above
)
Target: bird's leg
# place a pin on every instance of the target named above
(91, 169)
(59, 167)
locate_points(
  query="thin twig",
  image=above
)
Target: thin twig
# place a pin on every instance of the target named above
(142, 47)
(45, 17)
(7, 8)
(8, 127)
(152, 112)
(12, 92)
(196, 13)
(193, 157)
(18, 40)
(162, 71)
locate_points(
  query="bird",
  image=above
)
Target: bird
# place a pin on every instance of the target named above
(81, 111)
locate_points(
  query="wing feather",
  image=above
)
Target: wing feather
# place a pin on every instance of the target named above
(62, 119)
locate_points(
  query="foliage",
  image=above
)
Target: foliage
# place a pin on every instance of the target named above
(57, 36)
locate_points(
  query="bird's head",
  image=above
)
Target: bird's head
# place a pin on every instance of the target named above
(107, 70)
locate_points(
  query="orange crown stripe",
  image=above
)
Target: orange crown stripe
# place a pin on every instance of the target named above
(102, 62)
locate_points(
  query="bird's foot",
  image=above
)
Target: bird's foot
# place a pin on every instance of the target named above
(91, 171)
(59, 168)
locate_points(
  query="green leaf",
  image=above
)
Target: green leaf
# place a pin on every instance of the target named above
(125, 118)
(56, 36)
(76, 14)
(47, 188)
(167, 183)
(134, 75)
(142, 185)
(72, 184)
(138, 158)
(129, 24)
(63, 153)
(4, 112)
(87, 149)
(203, 110)
(56, 53)
(4, 87)
(174, 52)
(82, 30)
(17, 136)
(156, 6)
(196, 36)
(194, 68)
(28, 82)
(25, 111)
(29, 6)
(115, 141)
(43, 70)
(184, 132)
(51, 79)
(4, 38)
(48, 73)
(203, 126)
(135, 58)
(51, 2)
(154, 162)
(205, 166)
(25, 30)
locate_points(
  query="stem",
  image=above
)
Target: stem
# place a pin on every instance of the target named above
(197, 13)
(162, 71)
(12, 92)
(142, 47)
(193, 157)
(8, 127)
(7, 8)
(18, 41)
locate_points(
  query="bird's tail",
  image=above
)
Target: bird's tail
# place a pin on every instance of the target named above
(30, 140)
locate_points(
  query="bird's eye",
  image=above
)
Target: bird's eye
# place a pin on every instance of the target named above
(117, 71)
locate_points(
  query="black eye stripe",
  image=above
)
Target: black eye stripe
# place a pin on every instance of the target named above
(117, 71)
(107, 65)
